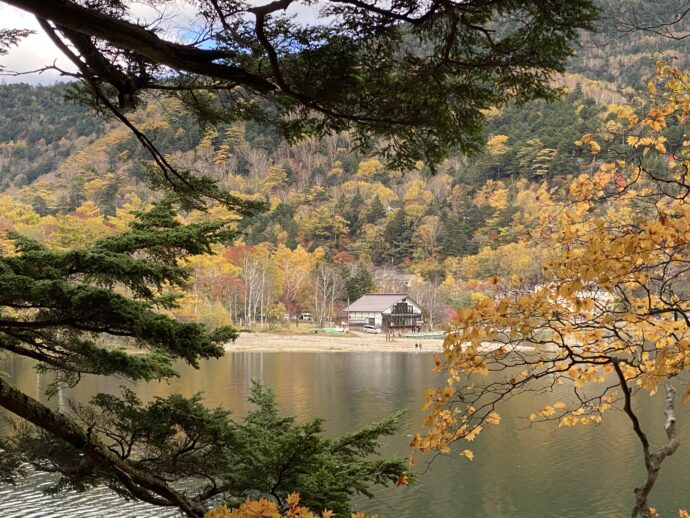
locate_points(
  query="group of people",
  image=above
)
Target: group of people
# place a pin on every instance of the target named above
(418, 346)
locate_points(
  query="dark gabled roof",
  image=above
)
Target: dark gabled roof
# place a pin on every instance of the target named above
(377, 301)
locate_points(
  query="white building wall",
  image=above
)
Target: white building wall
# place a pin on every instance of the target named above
(365, 315)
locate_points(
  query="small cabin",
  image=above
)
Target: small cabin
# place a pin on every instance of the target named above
(388, 311)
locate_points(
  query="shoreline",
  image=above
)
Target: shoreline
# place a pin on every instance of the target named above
(353, 342)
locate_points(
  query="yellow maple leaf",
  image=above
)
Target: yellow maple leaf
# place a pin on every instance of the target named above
(468, 454)
(568, 420)
(472, 434)
(493, 418)
(547, 411)
(293, 499)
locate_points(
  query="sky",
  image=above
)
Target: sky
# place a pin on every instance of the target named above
(32, 53)
(38, 50)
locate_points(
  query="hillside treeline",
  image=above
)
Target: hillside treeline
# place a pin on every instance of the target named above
(338, 223)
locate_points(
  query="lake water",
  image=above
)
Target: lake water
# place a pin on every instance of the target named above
(518, 471)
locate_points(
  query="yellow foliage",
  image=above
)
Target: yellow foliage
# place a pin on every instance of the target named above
(197, 308)
(497, 145)
(369, 190)
(613, 299)
(124, 215)
(547, 411)
(417, 198)
(589, 139)
(275, 177)
(293, 269)
(472, 434)
(370, 168)
(504, 262)
(18, 214)
(81, 228)
(493, 418)
(498, 199)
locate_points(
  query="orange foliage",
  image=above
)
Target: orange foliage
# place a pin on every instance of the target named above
(264, 508)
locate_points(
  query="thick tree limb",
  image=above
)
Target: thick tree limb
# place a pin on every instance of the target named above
(132, 37)
(138, 482)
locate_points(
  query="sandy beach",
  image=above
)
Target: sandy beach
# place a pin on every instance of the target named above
(352, 342)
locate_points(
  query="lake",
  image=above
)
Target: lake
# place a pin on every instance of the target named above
(518, 471)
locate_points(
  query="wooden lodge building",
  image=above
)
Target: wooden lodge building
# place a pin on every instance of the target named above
(387, 311)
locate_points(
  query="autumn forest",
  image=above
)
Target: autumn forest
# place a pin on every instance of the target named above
(337, 221)
(518, 169)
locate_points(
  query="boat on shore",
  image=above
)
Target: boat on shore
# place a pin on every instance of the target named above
(420, 336)
(329, 330)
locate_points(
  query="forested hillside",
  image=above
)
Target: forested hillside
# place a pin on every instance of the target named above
(338, 223)
(39, 128)
(629, 35)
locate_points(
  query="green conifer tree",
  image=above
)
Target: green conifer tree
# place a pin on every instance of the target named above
(353, 214)
(360, 282)
(375, 212)
(398, 238)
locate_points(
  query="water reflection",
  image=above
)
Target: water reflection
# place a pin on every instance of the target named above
(537, 472)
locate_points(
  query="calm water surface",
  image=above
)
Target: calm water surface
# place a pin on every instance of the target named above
(517, 472)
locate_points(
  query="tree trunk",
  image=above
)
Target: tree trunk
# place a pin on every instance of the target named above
(654, 460)
(140, 484)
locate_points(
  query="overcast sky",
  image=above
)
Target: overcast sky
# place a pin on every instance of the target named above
(38, 50)
(32, 53)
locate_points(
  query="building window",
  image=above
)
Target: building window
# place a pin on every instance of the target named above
(400, 320)
(402, 308)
